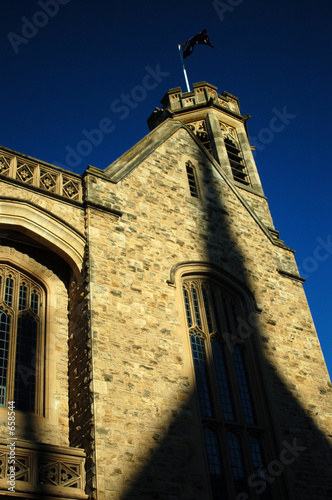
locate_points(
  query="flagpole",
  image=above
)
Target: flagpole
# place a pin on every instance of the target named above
(184, 69)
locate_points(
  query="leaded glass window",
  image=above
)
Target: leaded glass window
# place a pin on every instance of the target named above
(200, 367)
(237, 463)
(242, 383)
(21, 340)
(223, 386)
(4, 348)
(256, 454)
(214, 462)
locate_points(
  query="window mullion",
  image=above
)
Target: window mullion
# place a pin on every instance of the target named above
(230, 342)
(209, 354)
(202, 309)
(26, 343)
(200, 350)
(5, 359)
(243, 384)
(232, 319)
(213, 382)
(248, 461)
(12, 336)
(224, 374)
(227, 466)
(226, 333)
(11, 358)
(40, 356)
(15, 305)
(194, 296)
(210, 361)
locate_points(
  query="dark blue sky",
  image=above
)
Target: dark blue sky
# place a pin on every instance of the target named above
(71, 70)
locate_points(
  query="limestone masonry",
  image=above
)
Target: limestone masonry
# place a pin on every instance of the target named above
(155, 336)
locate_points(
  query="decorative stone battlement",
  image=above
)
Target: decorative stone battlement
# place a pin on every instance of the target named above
(203, 94)
(32, 172)
(54, 472)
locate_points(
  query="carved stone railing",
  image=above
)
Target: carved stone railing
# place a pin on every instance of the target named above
(48, 471)
(32, 172)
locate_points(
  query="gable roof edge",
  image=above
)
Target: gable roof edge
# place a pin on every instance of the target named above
(249, 209)
(127, 162)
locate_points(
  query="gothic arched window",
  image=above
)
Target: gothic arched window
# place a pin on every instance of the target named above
(22, 306)
(233, 434)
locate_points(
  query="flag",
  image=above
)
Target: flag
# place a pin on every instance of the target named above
(188, 46)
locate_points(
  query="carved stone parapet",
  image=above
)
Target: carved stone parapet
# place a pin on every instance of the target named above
(203, 94)
(52, 472)
(40, 175)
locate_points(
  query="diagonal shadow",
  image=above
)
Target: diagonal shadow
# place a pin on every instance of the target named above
(174, 469)
(172, 466)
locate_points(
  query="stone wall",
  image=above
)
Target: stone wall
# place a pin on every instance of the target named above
(141, 381)
(38, 258)
(124, 349)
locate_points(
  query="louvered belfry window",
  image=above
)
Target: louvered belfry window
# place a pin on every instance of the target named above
(232, 434)
(21, 340)
(192, 181)
(236, 161)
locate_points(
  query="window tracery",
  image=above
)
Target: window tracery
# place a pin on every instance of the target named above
(232, 435)
(21, 340)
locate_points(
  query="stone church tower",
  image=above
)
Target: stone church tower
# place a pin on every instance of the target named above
(155, 338)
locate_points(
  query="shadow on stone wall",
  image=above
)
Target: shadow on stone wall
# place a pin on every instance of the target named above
(167, 473)
(81, 422)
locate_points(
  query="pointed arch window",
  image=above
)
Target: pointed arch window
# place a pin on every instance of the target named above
(192, 180)
(233, 435)
(22, 306)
